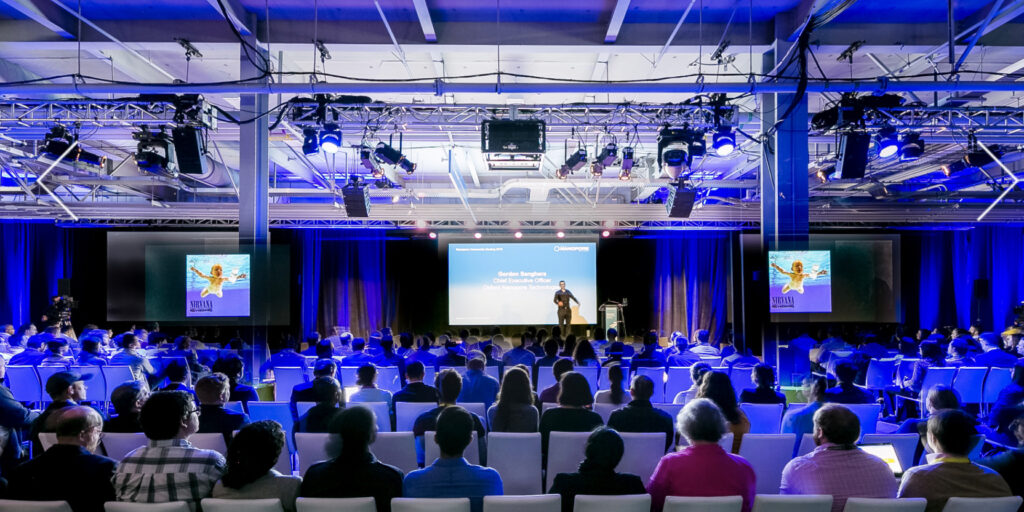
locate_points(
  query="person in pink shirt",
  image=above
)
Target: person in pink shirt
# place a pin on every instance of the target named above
(703, 468)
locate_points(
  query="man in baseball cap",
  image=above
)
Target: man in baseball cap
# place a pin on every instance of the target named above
(66, 389)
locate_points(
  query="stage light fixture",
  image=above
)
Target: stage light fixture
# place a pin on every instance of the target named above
(573, 163)
(627, 164)
(674, 157)
(911, 147)
(724, 141)
(155, 152)
(518, 235)
(330, 138)
(57, 140)
(677, 147)
(391, 156)
(978, 158)
(888, 142)
(310, 142)
(432, 235)
(953, 168)
(370, 163)
(560, 234)
(605, 158)
(825, 173)
(478, 235)
(606, 233)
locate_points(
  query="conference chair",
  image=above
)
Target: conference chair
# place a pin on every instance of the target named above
(565, 452)
(904, 444)
(671, 409)
(703, 504)
(127, 506)
(381, 410)
(658, 376)
(430, 505)
(592, 374)
(255, 505)
(868, 416)
(97, 384)
(606, 410)
(114, 377)
(494, 371)
(478, 408)
(678, 381)
(285, 379)
(517, 458)
(533, 503)
(47, 439)
(740, 378)
(1007, 504)
(969, 382)
(335, 505)
(942, 376)
(348, 375)
(429, 375)
(397, 449)
(407, 412)
(545, 378)
(905, 368)
(310, 448)
(432, 452)
(792, 503)
(768, 454)
(885, 505)
(623, 503)
(764, 418)
(276, 411)
(997, 379)
(642, 454)
(389, 378)
(34, 506)
(879, 374)
(807, 445)
(23, 381)
(213, 442)
(118, 445)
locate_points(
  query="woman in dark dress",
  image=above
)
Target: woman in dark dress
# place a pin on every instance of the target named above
(596, 474)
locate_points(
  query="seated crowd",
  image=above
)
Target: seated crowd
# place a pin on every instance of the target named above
(698, 460)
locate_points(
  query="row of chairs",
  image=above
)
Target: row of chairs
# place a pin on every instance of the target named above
(547, 503)
(28, 383)
(976, 385)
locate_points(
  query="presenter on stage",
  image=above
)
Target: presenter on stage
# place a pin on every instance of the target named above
(562, 297)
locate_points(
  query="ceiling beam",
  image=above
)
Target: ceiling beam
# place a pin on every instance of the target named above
(618, 15)
(423, 13)
(35, 12)
(236, 15)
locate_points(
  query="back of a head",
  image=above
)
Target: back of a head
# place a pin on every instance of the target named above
(415, 370)
(327, 390)
(358, 344)
(574, 391)
(164, 412)
(604, 449)
(701, 420)
(455, 428)
(90, 344)
(650, 338)
(56, 346)
(325, 368)
(449, 386)
(125, 395)
(703, 336)
(366, 374)
(718, 387)
(516, 388)
(181, 342)
(952, 430)
(814, 388)
(612, 334)
(253, 452)
(615, 374)
(176, 370)
(476, 361)
(324, 349)
(846, 372)
(550, 348)
(76, 420)
(943, 397)
(560, 368)
(931, 350)
(837, 424)
(313, 338)
(698, 371)
(989, 339)
(288, 343)
(642, 387)
(764, 375)
(230, 365)
(599, 333)
(212, 388)
(357, 427)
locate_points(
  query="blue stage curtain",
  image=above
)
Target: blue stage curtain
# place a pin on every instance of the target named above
(353, 283)
(691, 281)
(309, 279)
(33, 257)
(935, 264)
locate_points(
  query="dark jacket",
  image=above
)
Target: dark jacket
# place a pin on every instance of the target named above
(14, 417)
(68, 473)
(416, 392)
(41, 423)
(567, 419)
(1011, 466)
(849, 394)
(598, 482)
(215, 419)
(244, 394)
(317, 419)
(641, 416)
(427, 422)
(353, 476)
(123, 423)
(762, 396)
(300, 393)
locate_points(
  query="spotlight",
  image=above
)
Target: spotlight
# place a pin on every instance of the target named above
(953, 168)
(310, 142)
(518, 235)
(605, 158)
(724, 141)
(391, 156)
(573, 163)
(560, 234)
(478, 235)
(674, 158)
(432, 235)
(698, 146)
(395, 199)
(330, 138)
(627, 164)
(677, 147)
(978, 159)
(888, 142)
(606, 233)
(911, 147)
(562, 173)
(370, 163)
(58, 140)
(155, 152)
(825, 173)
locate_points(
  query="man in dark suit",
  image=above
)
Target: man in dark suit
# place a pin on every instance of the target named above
(328, 398)
(68, 471)
(993, 354)
(640, 416)
(846, 392)
(13, 417)
(562, 298)
(213, 392)
(416, 390)
(304, 392)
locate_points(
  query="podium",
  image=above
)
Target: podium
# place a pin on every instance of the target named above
(613, 316)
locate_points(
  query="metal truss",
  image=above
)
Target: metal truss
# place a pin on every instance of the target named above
(88, 113)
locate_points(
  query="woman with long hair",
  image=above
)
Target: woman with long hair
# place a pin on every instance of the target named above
(584, 354)
(614, 394)
(251, 457)
(573, 413)
(514, 410)
(717, 387)
(596, 474)
(569, 346)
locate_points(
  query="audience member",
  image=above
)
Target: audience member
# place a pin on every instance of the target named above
(388, 357)
(56, 353)
(168, 468)
(514, 411)
(353, 471)
(550, 354)
(519, 354)
(91, 355)
(233, 366)
(640, 416)
(450, 385)
(416, 390)
(568, 346)
(453, 355)
(14, 418)
(477, 386)
(560, 368)
(614, 393)
(127, 399)
(573, 413)
(66, 389)
(329, 397)
(847, 392)
(931, 356)
(939, 398)
(958, 354)
(717, 387)
(132, 355)
(34, 351)
(1010, 464)
(584, 355)
(800, 420)
(681, 355)
(451, 476)
(596, 473)
(178, 376)
(703, 468)
(763, 377)
(303, 392)
(87, 483)
(213, 392)
(649, 356)
(250, 474)
(992, 353)
(836, 466)
(366, 379)
(703, 346)
(422, 354)
(697, 373)
(286, 357)
(359, 357)
(1009, 405)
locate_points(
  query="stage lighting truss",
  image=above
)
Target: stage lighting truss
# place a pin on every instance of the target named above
(59, 139)
(911, 147)
(371, 164)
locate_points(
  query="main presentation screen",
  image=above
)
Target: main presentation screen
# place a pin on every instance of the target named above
(515, 283)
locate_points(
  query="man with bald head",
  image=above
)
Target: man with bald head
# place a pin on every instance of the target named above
(69, 470)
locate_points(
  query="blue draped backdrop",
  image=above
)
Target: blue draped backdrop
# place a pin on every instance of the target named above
(352, 285)
(691, 281)
(33, 257)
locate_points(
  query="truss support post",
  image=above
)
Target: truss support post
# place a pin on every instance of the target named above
(254, 199)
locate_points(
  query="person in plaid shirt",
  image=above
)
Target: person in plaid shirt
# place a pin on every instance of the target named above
(168, 468)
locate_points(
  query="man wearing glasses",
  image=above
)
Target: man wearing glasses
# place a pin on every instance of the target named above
(168, 468)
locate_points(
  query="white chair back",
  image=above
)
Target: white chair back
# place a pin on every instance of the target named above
(768, 454)
(592, 374)
(335, 505)
(904, 444)
(430, 505)
(311, 448)
(34, 506)
(279, 412)
(678, 381)
(703, 504)
(1007, 504)
(642, 454)
(806, 445)
(545, 378)
(937, 377)
(565, 451)
(885, 505)
(606, 410)
(127, 506)
(115, 376)
(431, 451)
(117, 446)
(213, 442)
(623, 503)
(23, 381)
(478, 408)
(260, 505)
(303, 407)
(389, 379)
(397, 449)
(764, 418)
(533, 503)
(658, 376)
(880, 373)
(970, 383)
(407, 412)
(381, 410)
(792, 503)
(493, 371)
(47, 439)
(740, 378)
(517, 458)
(868, 415)
(285, 379)
(997, 379)
(671, 409)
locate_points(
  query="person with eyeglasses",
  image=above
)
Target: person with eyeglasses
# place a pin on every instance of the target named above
(168, 468)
